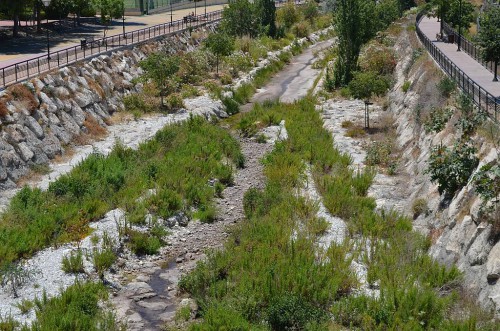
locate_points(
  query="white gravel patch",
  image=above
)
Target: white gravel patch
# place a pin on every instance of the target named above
(46, 268)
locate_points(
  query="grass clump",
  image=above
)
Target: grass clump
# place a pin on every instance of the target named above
(73, 263)
(24, 306)
(419, 207)
(76, 308)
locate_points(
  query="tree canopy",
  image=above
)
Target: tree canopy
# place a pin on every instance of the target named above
(220, 44)
(489, 36)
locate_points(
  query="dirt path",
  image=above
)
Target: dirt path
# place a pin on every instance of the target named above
(150, 297)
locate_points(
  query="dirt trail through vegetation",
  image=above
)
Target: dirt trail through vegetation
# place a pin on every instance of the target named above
(151, 298)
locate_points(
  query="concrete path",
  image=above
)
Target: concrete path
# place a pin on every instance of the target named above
(430, 27)
(22, 49)
(295, 80)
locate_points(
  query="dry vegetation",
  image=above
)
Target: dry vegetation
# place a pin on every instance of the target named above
(23, 94)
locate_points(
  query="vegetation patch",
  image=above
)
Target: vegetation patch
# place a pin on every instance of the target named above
(271, 274)
(177, 164)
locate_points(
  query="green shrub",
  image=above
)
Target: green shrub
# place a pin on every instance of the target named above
(143, 243)
(290, 312)
(379, 153)
(366, 84)
(232, 107)
(301, 29)
(8, 323)
(406, 86)
(469, 119)
(189, 91)
(222, 317)
(73, 263)
(206, 214)
(452, 168)
(287, 16)
(243, 94)
(379, 59)
(134, 102)
(174, 101)
(419, 207)
(446, 86)
(437, 119)
(103, 259)
(76, 308)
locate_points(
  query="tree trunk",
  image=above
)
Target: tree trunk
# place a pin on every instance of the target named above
(495, 77)
(15, 31)
(38, 18)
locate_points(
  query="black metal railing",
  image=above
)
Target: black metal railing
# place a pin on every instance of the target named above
(470, 48)
(481, 98)
(24, 70)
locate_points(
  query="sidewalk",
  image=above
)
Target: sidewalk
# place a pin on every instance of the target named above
(430, 27)
(22, 49)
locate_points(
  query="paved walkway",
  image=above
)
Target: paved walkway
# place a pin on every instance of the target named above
(14, 51)
(484, 78)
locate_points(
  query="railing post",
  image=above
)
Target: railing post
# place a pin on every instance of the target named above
(15, 71)
(3, 75)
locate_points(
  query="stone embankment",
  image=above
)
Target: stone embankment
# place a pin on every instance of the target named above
(41, 117)
(460, 234)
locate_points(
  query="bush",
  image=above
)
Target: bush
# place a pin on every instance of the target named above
(103, 259)
(419, 207)
(446, 86)
(469, 119)
(24, 306)
(379, 59)
(437, 119)
(290, 312)
(232, 107)
(379, 153)
(301, 29)
(143, 244)
(451, 169)
(406, 86)
(76, 309)
(366, 84)
(174, 101)
(287, 16)
(73, 263)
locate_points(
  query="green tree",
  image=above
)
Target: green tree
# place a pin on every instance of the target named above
(441, 8)
(288, 15)
(366, 84)
(220, 44)
(463, 17)
(240, 19)
(267, 14)
(109, 9)
(14, 9)
(387, 11)
(161, 69)
(349, 27)
(489, 37)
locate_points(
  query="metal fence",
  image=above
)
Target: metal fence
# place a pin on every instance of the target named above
(26, 69)
(469, 47)
(481, 98)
